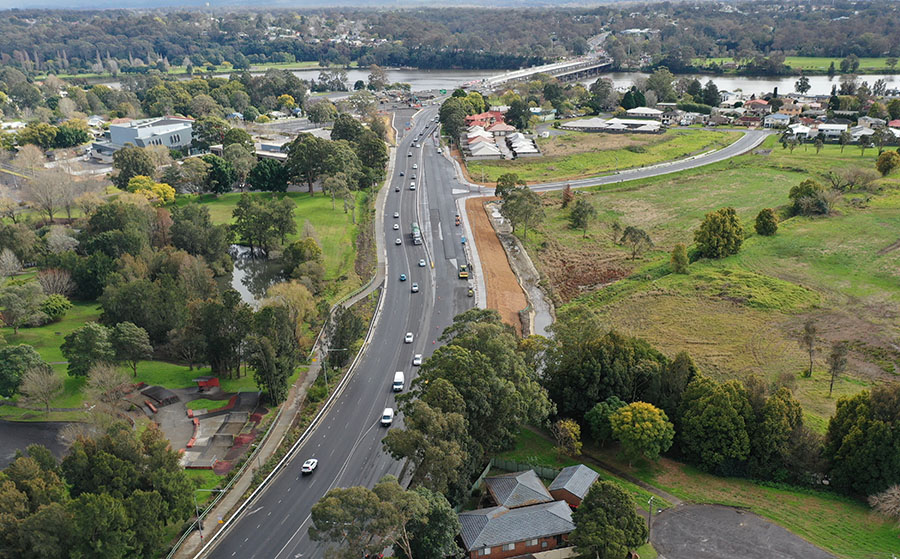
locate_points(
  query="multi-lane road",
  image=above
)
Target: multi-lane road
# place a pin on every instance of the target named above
(347, 442)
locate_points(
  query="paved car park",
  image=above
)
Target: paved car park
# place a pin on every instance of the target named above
(715, 531)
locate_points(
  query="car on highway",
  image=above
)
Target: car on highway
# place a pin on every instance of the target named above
(409, 155)
(412, 186)
(417, 359)
(399, 241)
(439, 151)
(402, 173)
(409, 338)
(415, 288)
(402, 277)
(396, 226)
(415, 165)
(396, 215)
(421, 262)
(418, 145)
(309, 466)
(470, 292)
(387, 417)
(412, 176)
(397, 188)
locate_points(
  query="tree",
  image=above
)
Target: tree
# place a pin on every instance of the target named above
(40, 134)
(268, 175)
(506, 183)
(567, 196)
(46, 191)
(805, 196)
(350, 518)
(194, 172)
(372, 152)
(15, 361)
(837, 362)
(224, 325)
(433, 533)
(581, 215)
(320, 111)
(87, 346)
(766, 222)
(887, 162)
(607, 525)
(378, 78)
(241, 160)
(844, 139)
(209, 131)
(720, 234)
(861, 441)
(518, 114)
(346, 127)
(42, 385)
(21, 304)
(221, 175)
(808, 342)
(679, 259)
(711, 95)
(399, 508)
(598, 418)
(778, 423)
(643, 429)
(888, 501)
(567, 434)
(660, 82)
(523, 208)
(802, 85)
(131, 344)
(336, 186)
(273, 353)
(130, 162)
(714, 424)
(308, 158)
(9, 263)
(637, 239)
(238, 136)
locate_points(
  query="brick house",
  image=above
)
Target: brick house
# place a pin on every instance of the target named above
(572, 484)
(500, 532)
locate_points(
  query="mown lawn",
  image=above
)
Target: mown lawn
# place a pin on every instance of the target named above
(818, 63)
(334, 229)
(843, 526)
(674, 144)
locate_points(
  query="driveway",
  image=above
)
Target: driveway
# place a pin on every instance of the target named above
(714, 532)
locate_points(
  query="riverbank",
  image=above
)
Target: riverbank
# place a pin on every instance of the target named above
(813, 65)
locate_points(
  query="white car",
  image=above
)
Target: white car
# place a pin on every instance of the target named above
(396, 226)
(412, 186)
(409, 338)
(387, 417)
(396, 215)
(417, 359)
(415, 287)
(421, 262)
(309, 466)
(399, 241)
(415, 165)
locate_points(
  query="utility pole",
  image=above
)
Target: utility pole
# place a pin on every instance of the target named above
(197, 507)
(650, 517)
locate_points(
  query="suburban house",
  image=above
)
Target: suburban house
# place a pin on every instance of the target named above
(526, 518)
(801, 131)
(501, 129)
(871, 122)
(749, 121)
(484, 119)
(521, 145)
(572, 484)
(758, 106)
(615, 125)
(173, 132)
(791, 109)
(500, 532)
(894, 123)
(832, 131)
(776, 120)
(857, 132)
(644, 112)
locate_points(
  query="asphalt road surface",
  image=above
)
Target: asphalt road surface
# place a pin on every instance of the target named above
(347, 442)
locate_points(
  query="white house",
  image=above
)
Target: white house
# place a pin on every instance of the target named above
(644, 112)
(832, 131)
(776, 120)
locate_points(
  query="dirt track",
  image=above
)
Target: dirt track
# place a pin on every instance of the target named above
(503, 291)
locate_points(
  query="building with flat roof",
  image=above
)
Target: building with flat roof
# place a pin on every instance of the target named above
(172, 132)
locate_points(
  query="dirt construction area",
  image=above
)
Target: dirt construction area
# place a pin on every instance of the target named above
(504, 294)
(714, 532)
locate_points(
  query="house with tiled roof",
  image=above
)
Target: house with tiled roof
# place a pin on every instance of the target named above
(500, 532)
(517, 489)
(572, 484)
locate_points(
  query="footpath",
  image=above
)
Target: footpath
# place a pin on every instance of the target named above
(213, 519)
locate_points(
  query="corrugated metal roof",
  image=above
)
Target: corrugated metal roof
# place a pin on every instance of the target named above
(577, 480)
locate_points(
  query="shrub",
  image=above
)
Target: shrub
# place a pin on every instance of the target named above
(803, 197)
(679, 259)
(720, 234)
(55, 306)
(766, 222)
(887, 162)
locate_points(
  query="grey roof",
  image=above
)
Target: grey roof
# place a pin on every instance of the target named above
(575, 479)
(499, 525)
(517, 489)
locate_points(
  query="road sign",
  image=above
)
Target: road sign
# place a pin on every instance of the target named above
(443, 91)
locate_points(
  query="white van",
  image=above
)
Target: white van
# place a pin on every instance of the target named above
(399, 381)
(387, 417)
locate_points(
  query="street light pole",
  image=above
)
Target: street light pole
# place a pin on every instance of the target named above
(197, 507)
(650, 517)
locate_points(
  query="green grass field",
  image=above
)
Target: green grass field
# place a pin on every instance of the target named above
(843, 526)
(674, 144)
(740, 315)
(818, 64)
(334, 229)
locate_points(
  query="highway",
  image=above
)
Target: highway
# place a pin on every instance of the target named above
(347, 442)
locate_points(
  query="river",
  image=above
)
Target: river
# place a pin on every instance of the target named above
(421, 80)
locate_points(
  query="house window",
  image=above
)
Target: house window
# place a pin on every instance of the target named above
(544, 545)
(532, 543)
(485, 551)
(509, 547)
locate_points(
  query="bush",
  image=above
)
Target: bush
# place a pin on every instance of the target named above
(720, 234)
(637, 149)
(262, 119)
(317, 392)
(803, 197)
(55, 306)
(766, 222)
(887, 162)
(679, 259)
